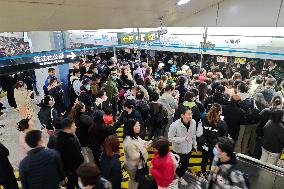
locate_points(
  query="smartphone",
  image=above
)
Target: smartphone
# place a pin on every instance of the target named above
(149, 143)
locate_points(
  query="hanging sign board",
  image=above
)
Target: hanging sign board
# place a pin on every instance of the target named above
(222, 59)
(126, 38)
(240, 60)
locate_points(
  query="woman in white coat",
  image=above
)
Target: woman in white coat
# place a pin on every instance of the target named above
(132, 146)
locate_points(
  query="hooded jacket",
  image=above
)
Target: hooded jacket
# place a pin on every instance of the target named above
(163, 169)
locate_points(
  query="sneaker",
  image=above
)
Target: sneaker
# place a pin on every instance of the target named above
(183, 182)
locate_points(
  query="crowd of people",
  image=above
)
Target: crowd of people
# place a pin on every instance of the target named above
(190, 110)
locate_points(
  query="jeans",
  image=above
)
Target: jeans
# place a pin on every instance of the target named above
(269, 157)
(153, 132)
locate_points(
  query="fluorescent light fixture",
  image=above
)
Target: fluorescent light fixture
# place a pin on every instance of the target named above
(182, 2)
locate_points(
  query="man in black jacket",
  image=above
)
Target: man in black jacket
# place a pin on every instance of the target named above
(234, 116)
(7, 177)
(69, 148)
(42, 168)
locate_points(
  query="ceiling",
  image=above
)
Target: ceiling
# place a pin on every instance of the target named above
(56, 15)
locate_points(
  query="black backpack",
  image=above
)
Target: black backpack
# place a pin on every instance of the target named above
(160, 118)
(71, 91)
(143, 108)
(250, 109)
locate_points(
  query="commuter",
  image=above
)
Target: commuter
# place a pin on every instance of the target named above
(47, 114)
(164, 163)
(55, 90)
(182, 135)
(97, 134)
(138, 70)
(86, 95)
(273, 138)
(24, 126)
(268, 90)
(109, 162)
(41, 168)
(130, 113)
(181, 88)
(134, 150)
(247, 130)
(125, 77)
(203, 91)
(140, 85)
(69, 149)
(149, 87)
(51, 74)
(23, 100)
(89, 177)
(112, 91)
(170, 101)
(142, 106)
(8, 82)
(83, 123)
(234, 116)
(264, 116)
(223, 173)
(217, 97)
(75, 85)
(189, 101)
(96, 84)
(213, 127)
(7, 177)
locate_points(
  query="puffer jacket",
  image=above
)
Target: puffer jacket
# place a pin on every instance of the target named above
(177, 136)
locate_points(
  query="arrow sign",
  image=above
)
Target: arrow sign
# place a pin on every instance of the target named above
(71, 56)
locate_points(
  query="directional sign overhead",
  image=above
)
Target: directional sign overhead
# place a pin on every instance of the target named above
(126, 38)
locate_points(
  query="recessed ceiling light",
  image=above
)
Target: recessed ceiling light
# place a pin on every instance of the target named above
(182, 2)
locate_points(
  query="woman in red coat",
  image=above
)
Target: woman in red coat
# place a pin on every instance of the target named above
(164, 163)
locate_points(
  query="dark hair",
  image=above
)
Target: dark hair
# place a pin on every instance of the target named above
(140, 95)
(277, 115)
(140, 81)
(242, 87)
(258, 80)
(75, 71)
(212, 116)
(148, 182)
(111, 146)
(52, 80)
(181, 80)
(66, 123)
(89, 174)
(270, 82)
(33, 137)
(45, 101)
(169, 87)
(220, 89)
(189, 96)
(18, 84)
(162, 145)
(100, 94)
(155, 96)
(184, 110)
(236, 76)
(51, 70)
(113, 69)
(129, 103)
(276, 101)
(226, 145)
(98, 118)
(76, 109)
(90, 72)
(23, 124)
(128, 128)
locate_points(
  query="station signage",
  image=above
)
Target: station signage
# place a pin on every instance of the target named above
(240, 60)
(55, 58)
(143, 37)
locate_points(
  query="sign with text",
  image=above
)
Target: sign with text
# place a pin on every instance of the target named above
(144, 37)
(222, 59)
(56, 58)
(240, 60)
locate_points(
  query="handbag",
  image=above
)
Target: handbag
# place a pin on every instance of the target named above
(141, 172)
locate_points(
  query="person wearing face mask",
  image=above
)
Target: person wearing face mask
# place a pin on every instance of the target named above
(213, 127)
(89, 177)
(41, 168)
(223, 173)
(47, 114)
(182, 135)
(112, 90)
(23, 100)
(86, 95)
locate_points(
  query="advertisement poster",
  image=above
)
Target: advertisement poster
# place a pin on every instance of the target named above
(222, 59)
